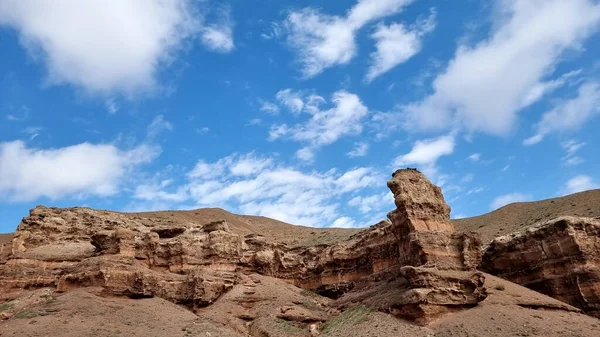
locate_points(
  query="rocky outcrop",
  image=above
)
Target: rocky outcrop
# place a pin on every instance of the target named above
(559, 258)
(194, 263)
(419, 294)
(422, 227)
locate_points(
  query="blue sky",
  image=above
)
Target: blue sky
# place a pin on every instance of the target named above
(295, 110)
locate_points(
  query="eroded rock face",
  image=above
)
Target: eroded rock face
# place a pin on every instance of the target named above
(420, 294)
(196, 263)
(559, 258)
(422, 227)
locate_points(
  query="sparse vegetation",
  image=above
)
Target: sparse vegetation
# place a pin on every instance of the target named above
(48, 298)
(6, 306)
(500, 287)
(351, 316)
(309, 293)
(287, 326)
(26, 314)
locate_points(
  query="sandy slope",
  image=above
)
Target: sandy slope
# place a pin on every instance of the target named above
(520, 215)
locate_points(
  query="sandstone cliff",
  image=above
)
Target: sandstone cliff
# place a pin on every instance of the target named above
(559, 258)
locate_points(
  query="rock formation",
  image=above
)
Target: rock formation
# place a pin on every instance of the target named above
(422, 227)
(194, 264)
(559, 258)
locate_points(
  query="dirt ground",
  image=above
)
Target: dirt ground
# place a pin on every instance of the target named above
(261, 306)
(82, 313)
(5, 238)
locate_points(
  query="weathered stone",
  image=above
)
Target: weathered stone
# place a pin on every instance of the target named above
(196, 263)
(559, 258)
(422, 227)
(420, 294)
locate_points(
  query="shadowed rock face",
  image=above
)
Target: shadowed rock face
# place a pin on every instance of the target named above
(196, 263)
(559, 258)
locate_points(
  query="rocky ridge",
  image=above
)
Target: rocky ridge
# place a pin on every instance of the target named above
(416, 266)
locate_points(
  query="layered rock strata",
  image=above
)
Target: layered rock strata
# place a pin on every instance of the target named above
(559, 258)
(195, 263)
(422, 227)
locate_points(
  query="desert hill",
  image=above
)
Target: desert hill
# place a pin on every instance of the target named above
(518, 216)
(4, 238)
(275, 230)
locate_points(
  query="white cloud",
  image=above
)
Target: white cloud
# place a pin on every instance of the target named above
(344, 222)
(373, 204)
(218, 36)
(323, 41)
(396, 44)
(571, 147)
(325, 126)
(254, 184)
(158, 125)
(116, 48)
(543, 88)
(274, 31)
(474, 157)
(484, 86)
(533, 140)
(32, 131)
(271, 189)
(27, 173)
(475, 190)
(360, 150)
(278, 131)
(291, 100)
(506, 199)
(111, 106)
(569, 114)
(427, 152)
(155, 192)
(202, 130)
(306, 153)
(249, 165)
(580, 183)
(268, 107)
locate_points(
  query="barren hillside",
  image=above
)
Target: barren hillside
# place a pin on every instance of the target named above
(275, 230)
(4, 238)
(516, 216)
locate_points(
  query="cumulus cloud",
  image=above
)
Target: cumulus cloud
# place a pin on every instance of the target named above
(396, 44)
(509, 198)
(570, 114)
(580, 183)
(325, 127)
(115, 48)
(485, 85)
(29, 173)
(323, 41)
